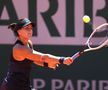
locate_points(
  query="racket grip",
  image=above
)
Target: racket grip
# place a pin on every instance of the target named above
(76, 55)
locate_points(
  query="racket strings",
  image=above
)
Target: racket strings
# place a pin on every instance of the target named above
(99, 36)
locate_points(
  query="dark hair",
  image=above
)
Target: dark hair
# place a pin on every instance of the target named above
(12, 26)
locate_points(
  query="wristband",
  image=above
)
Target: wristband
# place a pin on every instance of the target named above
(61, 60)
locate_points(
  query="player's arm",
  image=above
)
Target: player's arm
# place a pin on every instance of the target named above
(54, 60)
(48, 58)
(20, 52)
(39, 63)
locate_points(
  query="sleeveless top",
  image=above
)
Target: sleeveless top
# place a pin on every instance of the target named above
(18, 76)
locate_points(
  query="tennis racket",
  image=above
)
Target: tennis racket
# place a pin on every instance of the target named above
(97, 40)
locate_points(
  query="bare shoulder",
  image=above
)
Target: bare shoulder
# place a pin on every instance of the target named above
(21, 48)
(20, 51)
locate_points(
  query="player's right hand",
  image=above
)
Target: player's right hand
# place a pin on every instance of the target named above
(68, 60)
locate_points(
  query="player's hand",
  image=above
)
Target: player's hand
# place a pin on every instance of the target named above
(53, 66)
(67, 60)
(50, 62)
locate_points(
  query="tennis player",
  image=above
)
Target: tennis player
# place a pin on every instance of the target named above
(23, 55)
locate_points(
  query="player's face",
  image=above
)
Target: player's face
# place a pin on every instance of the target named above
(26, 32)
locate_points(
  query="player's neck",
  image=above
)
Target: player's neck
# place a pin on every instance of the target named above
(23, 40)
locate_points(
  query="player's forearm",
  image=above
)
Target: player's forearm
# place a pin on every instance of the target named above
(39, 63)
(51, 61)
(50, 58)
(46, 57)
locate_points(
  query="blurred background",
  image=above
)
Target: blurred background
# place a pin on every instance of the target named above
(59, 31)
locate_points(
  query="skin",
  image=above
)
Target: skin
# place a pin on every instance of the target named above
(20, 52)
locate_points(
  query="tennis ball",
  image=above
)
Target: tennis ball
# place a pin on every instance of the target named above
(86, 19)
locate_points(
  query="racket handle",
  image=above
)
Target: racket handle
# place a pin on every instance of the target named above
(76, 55)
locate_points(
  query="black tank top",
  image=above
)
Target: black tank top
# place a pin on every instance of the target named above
(18, 75)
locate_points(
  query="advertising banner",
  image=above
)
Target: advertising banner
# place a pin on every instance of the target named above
(60, 31)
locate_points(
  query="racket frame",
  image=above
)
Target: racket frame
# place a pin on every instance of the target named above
(100, 46)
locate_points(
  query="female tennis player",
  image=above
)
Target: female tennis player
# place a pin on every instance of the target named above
(23, 55)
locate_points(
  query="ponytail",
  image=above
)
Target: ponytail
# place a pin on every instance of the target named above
(12, 26)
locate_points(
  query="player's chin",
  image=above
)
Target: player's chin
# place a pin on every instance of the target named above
(29, 36)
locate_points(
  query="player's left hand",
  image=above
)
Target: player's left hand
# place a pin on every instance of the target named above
(50, 62)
